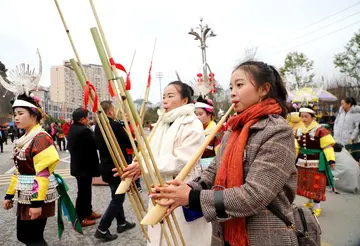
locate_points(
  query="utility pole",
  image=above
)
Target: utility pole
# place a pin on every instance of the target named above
(202, 36)
(159, 76)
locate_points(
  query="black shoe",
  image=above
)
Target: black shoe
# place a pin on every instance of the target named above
(107, 237)
(139, 189)
(127, 226)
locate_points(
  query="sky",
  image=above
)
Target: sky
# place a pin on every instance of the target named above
(275, 27)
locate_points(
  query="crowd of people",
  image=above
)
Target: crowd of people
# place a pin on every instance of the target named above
(256, 160)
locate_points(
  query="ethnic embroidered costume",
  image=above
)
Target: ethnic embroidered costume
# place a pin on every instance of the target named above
(211, 150)
(35, 159)
(35, 182)
(315, 152)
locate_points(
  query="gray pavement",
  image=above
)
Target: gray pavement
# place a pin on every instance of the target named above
(101, 198)
(340, 220)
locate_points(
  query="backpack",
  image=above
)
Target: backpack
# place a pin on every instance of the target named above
(306, 227)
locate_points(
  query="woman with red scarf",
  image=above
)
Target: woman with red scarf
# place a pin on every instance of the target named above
(253, 168)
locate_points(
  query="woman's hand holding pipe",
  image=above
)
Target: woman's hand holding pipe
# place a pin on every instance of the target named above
(133, 170)
(176, 194)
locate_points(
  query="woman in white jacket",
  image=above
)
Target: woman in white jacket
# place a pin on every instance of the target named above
(179, 134)
(346, 126)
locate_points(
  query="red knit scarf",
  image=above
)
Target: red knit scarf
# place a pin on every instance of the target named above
(231, 173)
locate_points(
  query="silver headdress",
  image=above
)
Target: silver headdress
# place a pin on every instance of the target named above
(307, 107)
(22, 79)
(205, 83)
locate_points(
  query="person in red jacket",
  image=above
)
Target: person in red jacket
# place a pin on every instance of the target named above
(65, 129)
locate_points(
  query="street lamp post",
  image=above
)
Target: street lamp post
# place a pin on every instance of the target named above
(203, 35)
(159, 75)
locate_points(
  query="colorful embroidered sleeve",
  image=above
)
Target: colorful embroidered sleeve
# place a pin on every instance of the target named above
(217, 140)
(12, 186)
(297, 147)
(45, 157)
(326, 143)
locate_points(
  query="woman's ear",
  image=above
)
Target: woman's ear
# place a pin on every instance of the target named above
(184, 101)
(265, 89)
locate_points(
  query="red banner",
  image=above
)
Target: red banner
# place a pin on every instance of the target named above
(122, 68)
(111, 90)
(87, 89)
(149, 77)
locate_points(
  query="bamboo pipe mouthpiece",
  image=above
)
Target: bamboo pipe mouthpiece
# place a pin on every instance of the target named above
(155, 215)
(124, 186)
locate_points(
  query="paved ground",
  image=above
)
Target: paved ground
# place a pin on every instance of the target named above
(340, 220)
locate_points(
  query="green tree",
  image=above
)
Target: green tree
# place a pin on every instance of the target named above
(298, 70)
(349, 61)
(50, 119)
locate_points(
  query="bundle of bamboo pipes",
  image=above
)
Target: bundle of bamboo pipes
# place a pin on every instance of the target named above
(127, 107)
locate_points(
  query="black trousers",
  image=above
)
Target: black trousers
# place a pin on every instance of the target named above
(83, 200)
(31, 232)
(1, 147)
(67, 143)
(115, 209)
(59, 141)
(137, 182)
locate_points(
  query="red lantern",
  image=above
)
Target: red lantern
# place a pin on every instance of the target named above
(212, 75)
(199, 75)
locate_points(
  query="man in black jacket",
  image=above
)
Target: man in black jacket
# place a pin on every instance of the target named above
(2, 139)
(84, 164)
(115, 208)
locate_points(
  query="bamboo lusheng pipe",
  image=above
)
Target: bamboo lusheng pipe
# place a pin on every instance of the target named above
(122, 98)
(129, 106)
(129, 112)
(147, 91)
(118, 164)
(123, 186)
(143, 105)
(128, 102)
(111, 151)
(136, 207)
(126, 182)
(101, 119)
(130, 109)
(122, 101)
(118, 113)
(149, 188)
(157, 213)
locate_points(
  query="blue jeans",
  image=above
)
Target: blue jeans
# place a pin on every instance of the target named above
(115, 209)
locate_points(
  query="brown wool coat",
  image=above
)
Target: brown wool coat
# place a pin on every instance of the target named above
(270, 176)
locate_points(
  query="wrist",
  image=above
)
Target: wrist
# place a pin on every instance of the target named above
(8, 197)
(194, 200)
